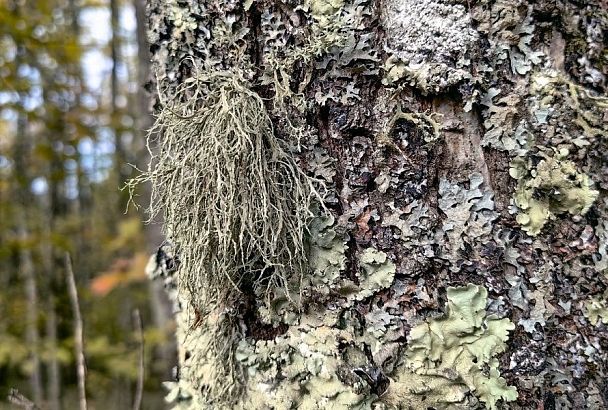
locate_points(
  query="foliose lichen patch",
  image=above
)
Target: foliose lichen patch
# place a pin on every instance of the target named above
(449, 356)
(596, 309)
(554, 186)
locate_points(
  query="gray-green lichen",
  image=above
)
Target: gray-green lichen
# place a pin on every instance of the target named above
(449, 356)
(327, 254)
(377, 272)
(413, 223)
(552, 187)
(510, 30)
(300, 369)
(430, 43)
(469, 215)
(503, 128)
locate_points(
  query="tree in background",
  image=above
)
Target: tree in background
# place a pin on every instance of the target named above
(397, 204)
(62, 119)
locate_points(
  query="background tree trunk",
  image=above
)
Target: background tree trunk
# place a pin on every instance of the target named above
(461, 260)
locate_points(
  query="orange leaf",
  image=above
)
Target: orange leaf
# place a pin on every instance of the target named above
(122, 272)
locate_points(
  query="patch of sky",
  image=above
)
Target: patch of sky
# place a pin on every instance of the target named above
(39, 186)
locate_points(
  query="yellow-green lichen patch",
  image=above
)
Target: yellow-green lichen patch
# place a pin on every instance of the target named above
(552, 187)
(322, 10)
(596, 309)
(449, 356)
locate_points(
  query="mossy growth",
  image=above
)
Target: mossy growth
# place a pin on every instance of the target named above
(450, 356)
(552, 187)
(235, 202)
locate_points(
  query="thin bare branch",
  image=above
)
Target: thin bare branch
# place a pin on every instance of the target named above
(78, 333)
(140, 375)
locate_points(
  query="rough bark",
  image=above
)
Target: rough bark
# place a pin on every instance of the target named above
(459, 260)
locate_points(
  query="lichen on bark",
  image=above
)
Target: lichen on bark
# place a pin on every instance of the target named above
(433, 126)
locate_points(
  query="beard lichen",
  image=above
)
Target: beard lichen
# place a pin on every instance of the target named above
(235, 202)
(237, 208)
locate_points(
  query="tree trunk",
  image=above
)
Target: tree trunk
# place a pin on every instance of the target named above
(27, 270)
(458, 256)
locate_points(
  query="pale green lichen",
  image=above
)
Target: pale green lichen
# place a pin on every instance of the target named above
(552, 187)
(323, 10)
(299, 370)
(412, 221)
(346, 50)
(449, 356)
(586, 108)
(327, 260)
(596, 309)
(235, 202)
(209, 377)
(331, 42)
(327, 254)
(522, 57)
(377, 272)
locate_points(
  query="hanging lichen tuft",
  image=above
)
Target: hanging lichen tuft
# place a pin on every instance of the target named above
(235, 203)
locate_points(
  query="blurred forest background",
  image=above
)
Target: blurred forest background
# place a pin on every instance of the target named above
(72, 114)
